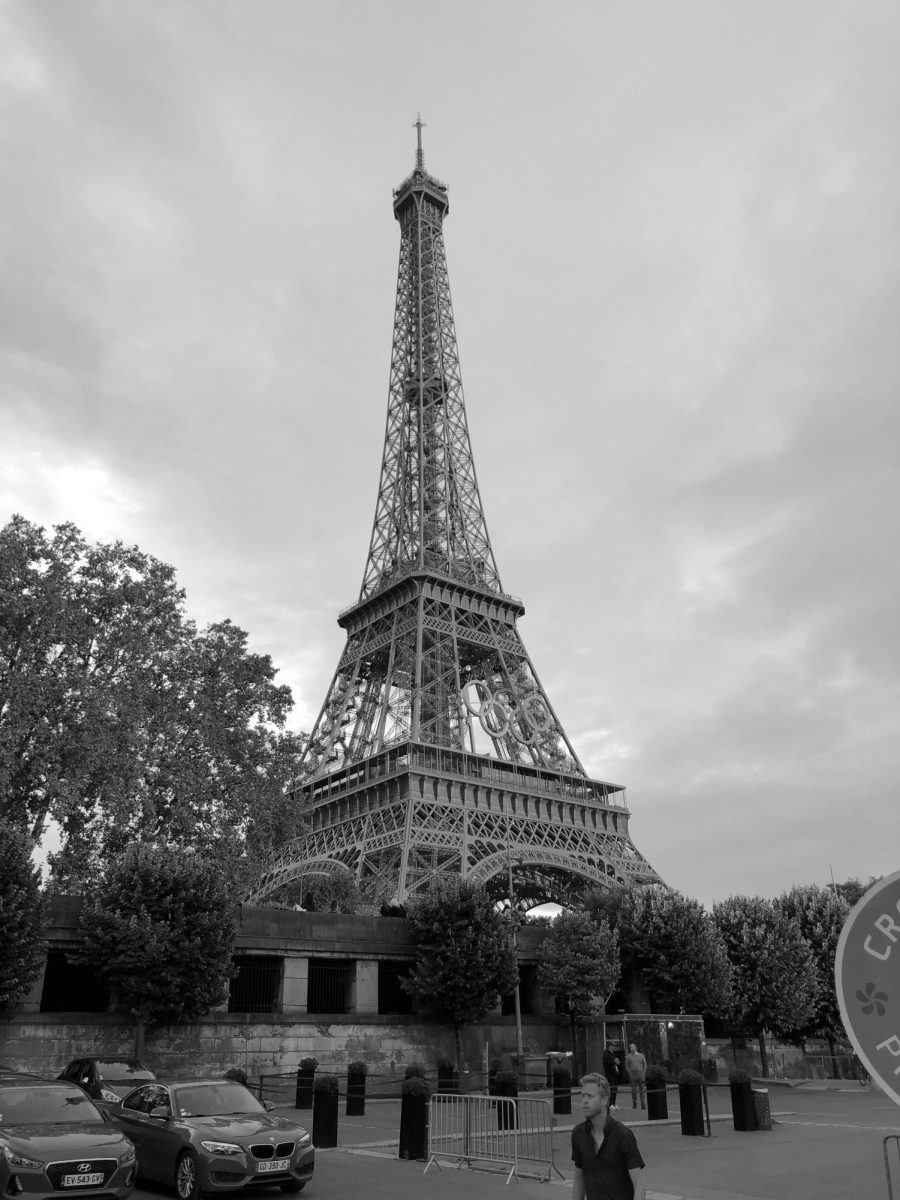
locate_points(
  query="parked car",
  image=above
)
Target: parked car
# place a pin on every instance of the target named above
(55, 1141)
(107, 1078)
(212, 1135)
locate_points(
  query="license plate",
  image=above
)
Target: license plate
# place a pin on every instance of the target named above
(87, 1179)
(273, 1164)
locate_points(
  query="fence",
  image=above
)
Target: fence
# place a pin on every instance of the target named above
(895, 1138)
(490, 1133)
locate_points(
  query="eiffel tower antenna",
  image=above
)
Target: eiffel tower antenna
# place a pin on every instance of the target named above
(437, 748)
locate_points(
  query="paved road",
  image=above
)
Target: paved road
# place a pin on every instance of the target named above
(826, 1145)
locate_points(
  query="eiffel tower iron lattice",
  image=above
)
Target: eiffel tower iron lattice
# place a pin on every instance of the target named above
(437, 749)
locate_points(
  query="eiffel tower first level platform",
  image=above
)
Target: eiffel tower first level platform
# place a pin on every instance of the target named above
(437, 748)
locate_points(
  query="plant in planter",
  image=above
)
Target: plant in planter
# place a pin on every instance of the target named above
(414, 1093)
(414, 1071)
(325, 1111)
(657, 1101)
(506, 1088)
(236, 1075)
(306, 1073)
(448, 1080)
(742, 1109)
(356, 1089)
(690, 1098)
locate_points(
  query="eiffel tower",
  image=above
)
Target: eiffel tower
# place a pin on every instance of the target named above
(437, 749)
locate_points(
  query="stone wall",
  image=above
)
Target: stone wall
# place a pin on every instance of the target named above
(43, 1043)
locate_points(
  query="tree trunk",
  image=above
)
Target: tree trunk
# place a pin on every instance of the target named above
(576, 1070)
(460, 1074)
(835, 1070)
(763, 1056)
(139, 1027)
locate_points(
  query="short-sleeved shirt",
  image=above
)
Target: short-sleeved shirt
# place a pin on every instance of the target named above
(606, 1170)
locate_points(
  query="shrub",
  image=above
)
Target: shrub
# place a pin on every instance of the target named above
(415, 1071)
(357, 1068)
(738, 1075)
(414, 1085)
(445, 1066)
(308, 1064)
(326, 1083)
(655, 1076)
(689, 1078)
(237, 1075)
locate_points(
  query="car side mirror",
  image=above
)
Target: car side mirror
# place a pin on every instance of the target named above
(268, 1105)
(160, 1113)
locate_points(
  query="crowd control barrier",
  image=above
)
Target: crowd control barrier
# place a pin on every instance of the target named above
(894, 1139)
(491, 1133)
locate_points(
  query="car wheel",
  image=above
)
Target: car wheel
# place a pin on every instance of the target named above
(187, 1181)
(293, 1187)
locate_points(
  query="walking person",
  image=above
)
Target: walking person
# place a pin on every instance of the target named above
(608, 1164)
(636, 1066)
(612, 1071)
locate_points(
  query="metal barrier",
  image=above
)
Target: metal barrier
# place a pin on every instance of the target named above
(491, 1133)
(895, 1138)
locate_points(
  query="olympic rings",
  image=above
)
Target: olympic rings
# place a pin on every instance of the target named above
(502, 712)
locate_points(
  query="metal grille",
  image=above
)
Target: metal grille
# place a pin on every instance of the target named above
(331, 985)
(282, 1150)
(81, 1166)
(256, 986)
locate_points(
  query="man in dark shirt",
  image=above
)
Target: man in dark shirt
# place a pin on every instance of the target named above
(608, 1164)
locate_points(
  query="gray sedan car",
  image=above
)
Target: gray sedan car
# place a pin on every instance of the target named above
(212, 1135)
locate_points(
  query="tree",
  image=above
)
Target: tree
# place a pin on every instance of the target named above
(21, 916)
(821, 915)
(120, 721)
(618, 907)
(775, 981)
(579, 964)
(853, 890)
(680, 954)
(158, 927)
(465, 960)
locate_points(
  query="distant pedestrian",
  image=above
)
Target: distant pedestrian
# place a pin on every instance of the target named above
(612, 1069)
(608, 1164)
(636, 1066)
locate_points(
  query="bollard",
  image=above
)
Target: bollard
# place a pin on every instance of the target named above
(414, 1093)
(690, 1100)
(325, 1112)
(306, 1074)
(562, 1090)
(742, 1110)
(657, 1100)
(356, 1089)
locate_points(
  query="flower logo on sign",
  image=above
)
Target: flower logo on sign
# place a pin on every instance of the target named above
(872, 1001)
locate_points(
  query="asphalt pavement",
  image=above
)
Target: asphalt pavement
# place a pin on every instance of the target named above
(825, 1144)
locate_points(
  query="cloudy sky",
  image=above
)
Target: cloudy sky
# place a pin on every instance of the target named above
(674, 249)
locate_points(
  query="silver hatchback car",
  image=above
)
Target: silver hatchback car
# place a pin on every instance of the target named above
(212, 1135)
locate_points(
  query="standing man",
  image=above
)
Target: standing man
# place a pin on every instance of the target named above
(608, 1164)
(636, 1066)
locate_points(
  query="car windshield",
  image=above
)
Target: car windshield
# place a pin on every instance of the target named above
(216, 1100)
(122, 1070)
(46, 1106)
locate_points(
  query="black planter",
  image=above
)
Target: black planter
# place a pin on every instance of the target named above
(562, 1090)
(507, 1090)
(325, 1119)
(448, 1083)
(356, 1094)
(414, 1124)
(690, 1097)
(305, 1080)
(742, 1108)
(657, 1103)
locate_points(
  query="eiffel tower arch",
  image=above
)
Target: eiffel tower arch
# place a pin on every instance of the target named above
(437, 748)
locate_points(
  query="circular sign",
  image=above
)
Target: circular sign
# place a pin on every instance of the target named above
(867, 979)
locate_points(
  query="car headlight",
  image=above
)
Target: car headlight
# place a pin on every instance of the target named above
(303, 1140)
(110, 1097)
(222, 1148)
(128, 1154)
(20, 1160)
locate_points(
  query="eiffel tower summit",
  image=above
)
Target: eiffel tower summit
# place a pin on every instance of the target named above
(437, 748)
